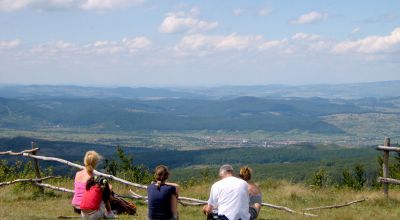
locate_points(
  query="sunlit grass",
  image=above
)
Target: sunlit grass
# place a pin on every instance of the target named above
(19, 203)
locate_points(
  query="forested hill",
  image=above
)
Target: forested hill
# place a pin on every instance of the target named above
(341, 91)
(48, 91)
(151, 157)
(239, 114)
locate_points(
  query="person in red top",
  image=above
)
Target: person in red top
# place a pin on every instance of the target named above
(90, 160)
(96, 200)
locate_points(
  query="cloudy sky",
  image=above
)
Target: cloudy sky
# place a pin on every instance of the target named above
(198, 43)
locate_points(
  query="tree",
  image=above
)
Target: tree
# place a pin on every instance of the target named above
(355, 180)
(348, 179)
(320, 179)
(122, 165)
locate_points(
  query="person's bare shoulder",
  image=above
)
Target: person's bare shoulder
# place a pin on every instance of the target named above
(254, 189)
(81, 176)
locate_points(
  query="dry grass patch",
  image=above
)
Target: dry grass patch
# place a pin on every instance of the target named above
(24, 204)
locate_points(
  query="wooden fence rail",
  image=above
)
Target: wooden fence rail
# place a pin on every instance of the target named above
(82, 167)
(385, 180)
(31, 153)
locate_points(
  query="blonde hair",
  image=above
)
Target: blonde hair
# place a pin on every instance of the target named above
(91, 159)
(161, 174)
(245, 173)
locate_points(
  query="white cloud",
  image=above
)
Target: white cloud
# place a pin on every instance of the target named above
(194, 11)
(371, 44)
(355, 30)
(304, 36)
(179, 22)
(265, 11)
(298, 44)
(237, 12)
(53, 48)
(302, 43)
(109, 4)
(273, 44)
(310, 18)
(135, 44)
(9, 44)
(14, 5)
(126, 45)
(203, 44)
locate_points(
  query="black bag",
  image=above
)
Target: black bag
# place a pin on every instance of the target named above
(215, 216)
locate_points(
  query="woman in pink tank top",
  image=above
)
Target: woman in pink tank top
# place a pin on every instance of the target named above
(90, 160)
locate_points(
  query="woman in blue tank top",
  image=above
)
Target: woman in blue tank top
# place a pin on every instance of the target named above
(162, 196)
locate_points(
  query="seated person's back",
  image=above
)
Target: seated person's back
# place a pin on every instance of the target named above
(230, 196)
(160, 201)
(162, 196)
(255, 196)
(90, 160)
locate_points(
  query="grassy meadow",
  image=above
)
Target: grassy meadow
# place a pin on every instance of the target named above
(18, 202)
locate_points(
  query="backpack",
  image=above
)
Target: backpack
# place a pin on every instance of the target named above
(117, 203)
(121, 206)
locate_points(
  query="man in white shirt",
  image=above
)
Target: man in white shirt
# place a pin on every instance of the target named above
(230, 196)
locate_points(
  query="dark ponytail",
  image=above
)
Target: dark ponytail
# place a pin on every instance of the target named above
(161, 175)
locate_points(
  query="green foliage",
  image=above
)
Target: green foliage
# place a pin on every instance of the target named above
(394, 166)
(359, 177)
(19, 169)
(320, 179)
(122, 165)
(243, 114)
(348, 179)
(206, 175)
(355, 180)
(190, 182)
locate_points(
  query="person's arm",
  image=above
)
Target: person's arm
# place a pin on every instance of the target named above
(174, 206)
(256, 191)
(108, 206)
(207, 209)
(211, 203)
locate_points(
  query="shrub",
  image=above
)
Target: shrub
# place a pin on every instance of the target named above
(320, 179)
(122, 165)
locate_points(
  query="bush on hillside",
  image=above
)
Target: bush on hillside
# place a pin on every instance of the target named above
(320, 179)
(122, 165)
(355, 180)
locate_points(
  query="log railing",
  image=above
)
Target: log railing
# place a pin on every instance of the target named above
(186, 201)
(385, 180)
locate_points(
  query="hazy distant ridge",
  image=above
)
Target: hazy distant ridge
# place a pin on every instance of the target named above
(347, 91)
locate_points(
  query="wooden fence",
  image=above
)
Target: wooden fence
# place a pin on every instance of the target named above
(186, 201)
(385, 180)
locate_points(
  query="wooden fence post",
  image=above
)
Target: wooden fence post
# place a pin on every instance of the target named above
(36, 165)
(385, 166)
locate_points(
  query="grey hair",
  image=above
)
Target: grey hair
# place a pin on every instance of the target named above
(224, 169)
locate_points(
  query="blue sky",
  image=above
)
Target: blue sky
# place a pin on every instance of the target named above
(198, 43)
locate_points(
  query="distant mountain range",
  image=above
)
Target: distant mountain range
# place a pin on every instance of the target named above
(243, 113)
(66, 91)
(273, 108)
(342, 91)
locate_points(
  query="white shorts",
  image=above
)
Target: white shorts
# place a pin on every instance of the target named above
(95, 214)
